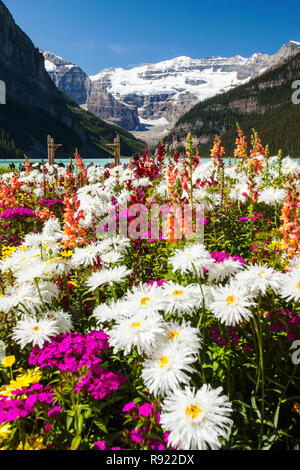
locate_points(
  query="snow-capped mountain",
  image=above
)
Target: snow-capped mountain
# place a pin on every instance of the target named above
(162, 92)
(89, 95)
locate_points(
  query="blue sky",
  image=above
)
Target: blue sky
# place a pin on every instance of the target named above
(96, 34)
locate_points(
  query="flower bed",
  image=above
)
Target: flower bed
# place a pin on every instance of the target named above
(122, 332)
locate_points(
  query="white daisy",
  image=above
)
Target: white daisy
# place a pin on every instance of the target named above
(167, 367)
(117, 243)
(290, 287)
(272, 196)
(257, 279)
(31, 269)
(294, 263)
(290, 166)
(140, 331)
(16, 295)
(49, 291)
(146, 298)
(219, 271)
(231, 304)
(86, 256)
(183, 335)
(111, 257)
(180, 299)
(62, 319)
(36, 331)
(107, 276)
(239, 192)
(191, 256)
(141, 182)
(196, 420)
(112, 311)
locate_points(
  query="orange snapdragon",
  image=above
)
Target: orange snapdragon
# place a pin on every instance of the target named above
(74, 235)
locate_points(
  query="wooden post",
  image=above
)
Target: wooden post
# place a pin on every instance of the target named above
(117, 149)
(51, 149)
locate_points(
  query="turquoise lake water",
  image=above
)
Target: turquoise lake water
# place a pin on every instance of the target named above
(95, 161)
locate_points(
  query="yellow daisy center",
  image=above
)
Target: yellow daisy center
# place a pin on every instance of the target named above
(230, 300)
(36, 328)
(163, 361)
(298, 286)
(173, 335)
(145, 301)
(262, 272)
(136, 325)
(178, 293)
(193, 411)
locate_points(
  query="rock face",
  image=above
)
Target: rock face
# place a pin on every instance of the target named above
(89, 95)
(66, 76)
(22, 68)
(152, 97)
(259, 63)
(35, 107)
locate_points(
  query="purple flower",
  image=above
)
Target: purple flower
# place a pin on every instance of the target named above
(54, 413)
(100, 445)
(128, 407)
(74, 351)
(49, 203)
(146, 409)
(11, 214)
(137, 435)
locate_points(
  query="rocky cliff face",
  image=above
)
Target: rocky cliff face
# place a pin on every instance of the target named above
(89, 95)
(22, 69)
(66, 76)
(35, 107)
(259, 63)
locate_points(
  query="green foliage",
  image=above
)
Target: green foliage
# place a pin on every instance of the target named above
(264, 103)
(8, 147)
(26, 127)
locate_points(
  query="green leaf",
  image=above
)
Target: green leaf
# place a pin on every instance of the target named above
(75, 442)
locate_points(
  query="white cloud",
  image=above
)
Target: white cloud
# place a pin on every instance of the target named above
(119, 48)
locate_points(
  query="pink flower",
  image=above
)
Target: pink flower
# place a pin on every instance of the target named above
(100, 445)
(128, 407)
(54, 413)
(137, 435)
(146, 409)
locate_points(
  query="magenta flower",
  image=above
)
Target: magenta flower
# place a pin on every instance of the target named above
(128, 407)
(146, 410)
(54, 413)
